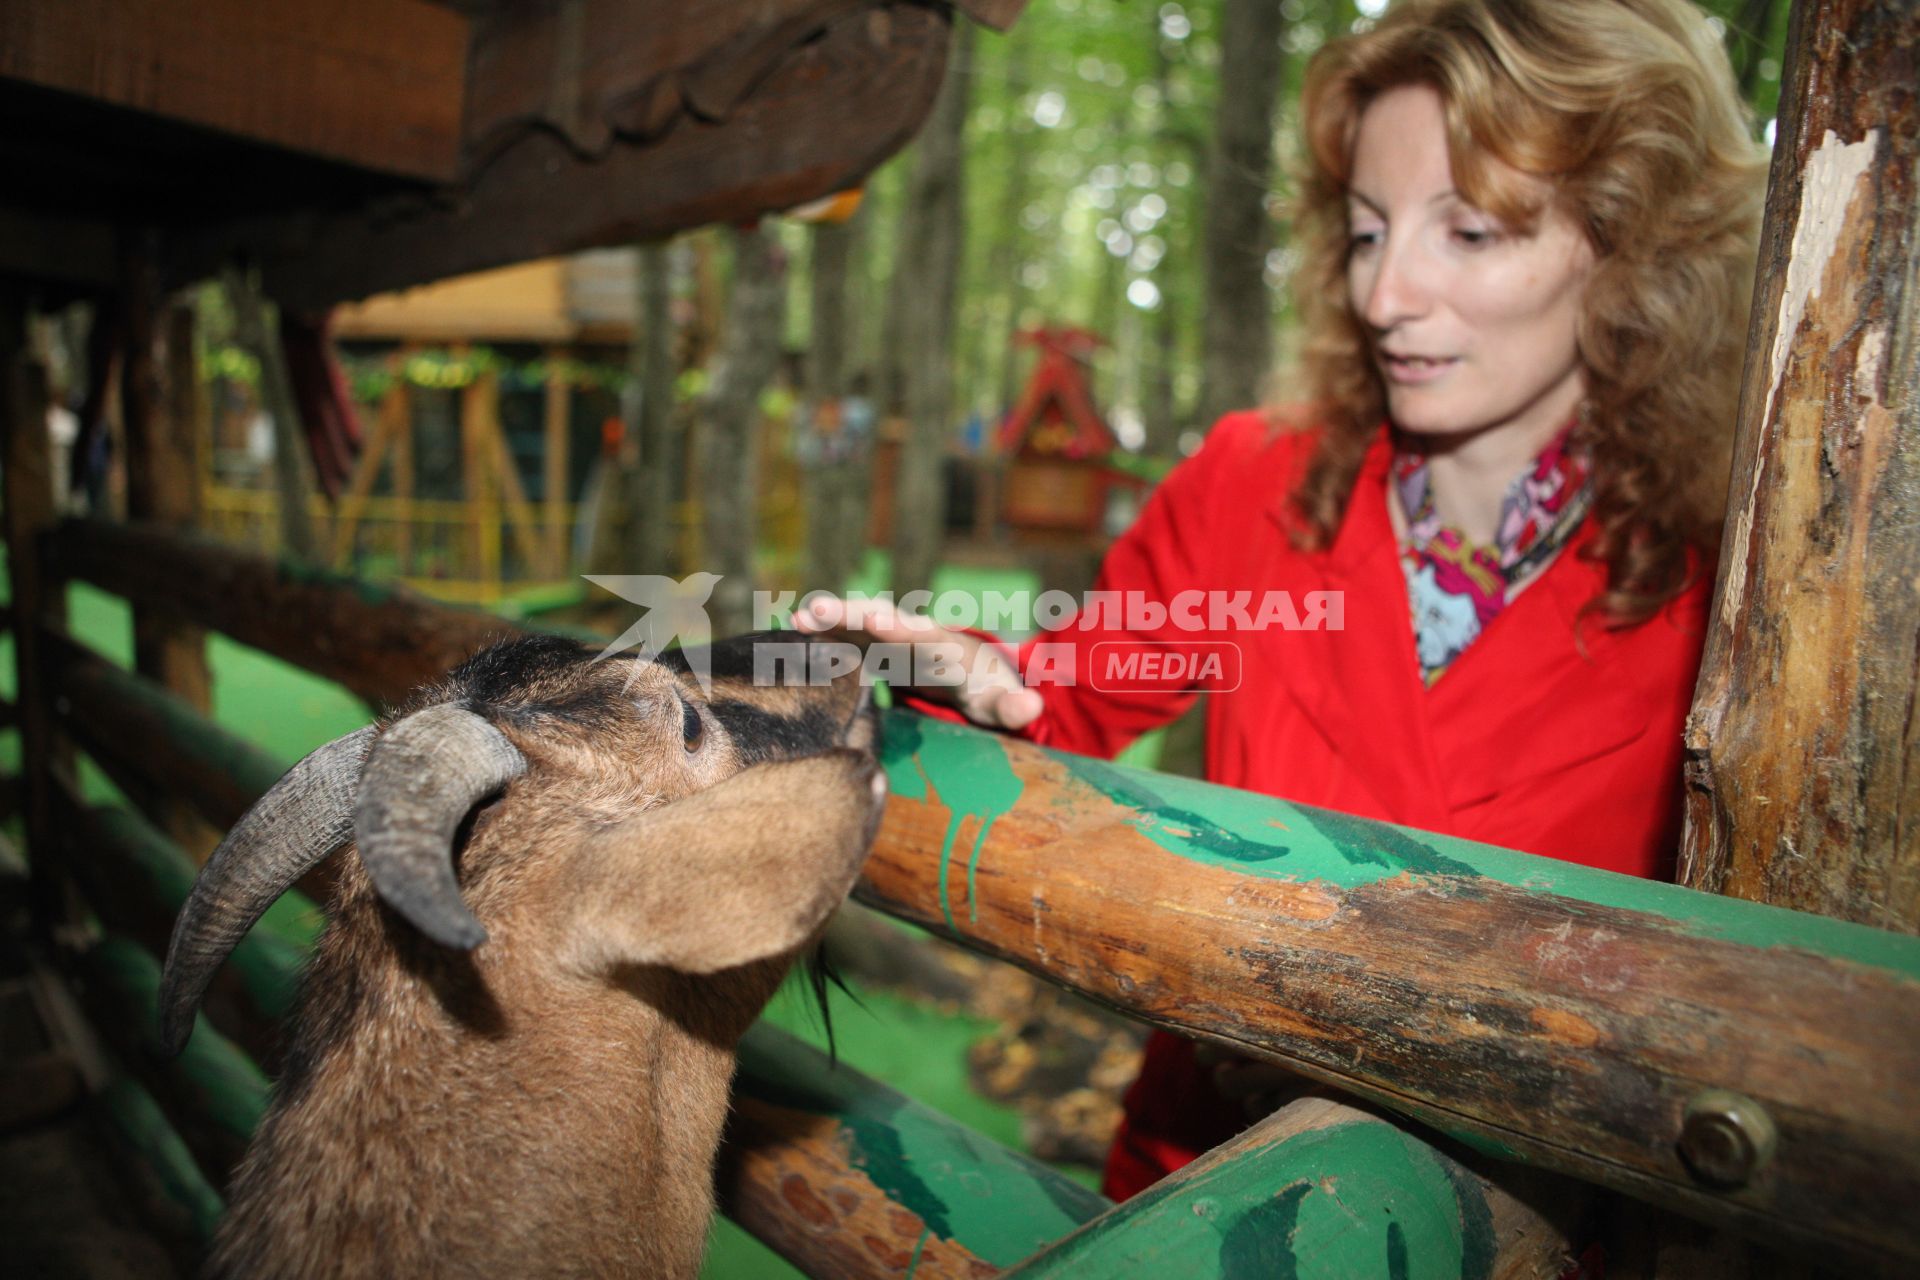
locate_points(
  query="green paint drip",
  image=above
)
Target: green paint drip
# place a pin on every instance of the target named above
(899, 751)
(1396, 1253)
(954, 771)
(913, 1263)
(1478, 1247)
(1375, 843)
(1159, 816)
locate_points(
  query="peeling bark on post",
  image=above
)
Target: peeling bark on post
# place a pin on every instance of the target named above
(1803, 768)
(26, 482)
(160, 408)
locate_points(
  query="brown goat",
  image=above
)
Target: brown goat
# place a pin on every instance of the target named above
(642, 861)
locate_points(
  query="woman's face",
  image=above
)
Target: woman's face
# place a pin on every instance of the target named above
(1472, 323)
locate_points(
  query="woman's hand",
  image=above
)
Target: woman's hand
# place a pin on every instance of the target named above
(953, 667)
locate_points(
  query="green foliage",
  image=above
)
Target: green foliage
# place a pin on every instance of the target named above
(371, 377)
(1086, 162)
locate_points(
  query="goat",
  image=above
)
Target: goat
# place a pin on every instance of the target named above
(642, 861)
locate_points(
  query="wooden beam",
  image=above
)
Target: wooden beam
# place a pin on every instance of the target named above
(1804, 770)
(214, 1095)
(825, 113)
(373, 83)
(379, 642)
(158, 736)
(1577, 1019)
(76, 251)
(136, 880)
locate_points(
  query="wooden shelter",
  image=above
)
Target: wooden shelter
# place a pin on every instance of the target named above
(1725, 1059)
(1055, 440)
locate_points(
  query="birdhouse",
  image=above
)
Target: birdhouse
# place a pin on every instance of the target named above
(1055, 440)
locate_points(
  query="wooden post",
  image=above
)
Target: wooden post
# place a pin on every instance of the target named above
(476, 478)
(161, 420)
(26, 472)
(559, 408)
(389, 423)
(402, 392)
(1803, 765)
(291, 469)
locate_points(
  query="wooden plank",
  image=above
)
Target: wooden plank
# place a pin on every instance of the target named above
(998, 14)
(1570, 1016)
(1804, 769)
(373, 83)
(587, 68)
(825, 115)
(379, 642)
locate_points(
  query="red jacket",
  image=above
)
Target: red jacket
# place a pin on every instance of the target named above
(1530, 740)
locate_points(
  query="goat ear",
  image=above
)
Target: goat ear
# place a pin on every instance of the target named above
(745, 870)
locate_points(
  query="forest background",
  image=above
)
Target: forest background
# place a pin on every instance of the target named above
(1115, 167)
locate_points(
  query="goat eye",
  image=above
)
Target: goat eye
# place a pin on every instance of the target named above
(692, 728)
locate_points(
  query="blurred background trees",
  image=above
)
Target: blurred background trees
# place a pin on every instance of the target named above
(821, 400)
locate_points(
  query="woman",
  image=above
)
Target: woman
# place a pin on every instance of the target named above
(1529, 230)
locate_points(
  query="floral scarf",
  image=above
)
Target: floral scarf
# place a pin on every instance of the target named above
(1456, 588)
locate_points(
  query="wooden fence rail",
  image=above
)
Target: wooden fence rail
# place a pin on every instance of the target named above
(1589, 1022)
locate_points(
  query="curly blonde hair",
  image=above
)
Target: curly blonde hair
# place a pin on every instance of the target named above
(1627, 109)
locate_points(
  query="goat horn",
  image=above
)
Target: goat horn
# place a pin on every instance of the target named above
(422, 777)
(303, 817)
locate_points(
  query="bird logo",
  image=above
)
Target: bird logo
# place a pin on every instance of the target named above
(673, 611)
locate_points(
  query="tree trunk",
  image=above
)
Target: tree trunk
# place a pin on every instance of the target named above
(1010, 238)
(1803, 764)
(650, 418)
(835, 513)
(160, 414)
(1238, 329)
(934, 206)
(729, 441)
(292, 472)
(1163, 427)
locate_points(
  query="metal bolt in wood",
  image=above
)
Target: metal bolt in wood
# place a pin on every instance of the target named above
(1726, 1138)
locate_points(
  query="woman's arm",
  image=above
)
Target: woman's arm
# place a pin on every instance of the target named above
(1073, 686)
